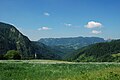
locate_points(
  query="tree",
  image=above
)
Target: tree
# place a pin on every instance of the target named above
(12, 54)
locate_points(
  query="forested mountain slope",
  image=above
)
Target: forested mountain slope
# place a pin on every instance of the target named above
(100, 52)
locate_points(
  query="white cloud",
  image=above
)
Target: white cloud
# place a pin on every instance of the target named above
(93, 24)
(46, 14)
(67, 24)
(44, 28)
(96, 32)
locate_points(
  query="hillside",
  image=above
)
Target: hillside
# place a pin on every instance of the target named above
(45, 52)
(100, 52)
(12, 39)
(68, 45)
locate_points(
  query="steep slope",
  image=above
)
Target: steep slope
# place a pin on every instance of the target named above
(100, 52)
(67, 45)
(12, 39)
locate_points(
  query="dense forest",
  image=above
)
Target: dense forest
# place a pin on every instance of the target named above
(99, 52)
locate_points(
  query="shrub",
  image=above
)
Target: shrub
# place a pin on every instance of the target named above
(12, 54)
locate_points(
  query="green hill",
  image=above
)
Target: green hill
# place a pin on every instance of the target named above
(99, 52)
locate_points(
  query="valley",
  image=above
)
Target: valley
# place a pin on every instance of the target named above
(59, 40)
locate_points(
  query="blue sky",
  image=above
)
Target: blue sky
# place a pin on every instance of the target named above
(63, 18)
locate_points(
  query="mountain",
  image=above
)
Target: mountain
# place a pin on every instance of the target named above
(12, 39)
(99, 52)
(68, 45)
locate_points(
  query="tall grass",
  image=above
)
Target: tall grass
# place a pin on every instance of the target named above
(36, 71)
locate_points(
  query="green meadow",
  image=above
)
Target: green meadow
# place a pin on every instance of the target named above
(57, 70)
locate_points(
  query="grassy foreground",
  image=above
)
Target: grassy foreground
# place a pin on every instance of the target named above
(57, 70)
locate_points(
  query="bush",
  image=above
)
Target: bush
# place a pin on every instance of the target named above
(12, 54)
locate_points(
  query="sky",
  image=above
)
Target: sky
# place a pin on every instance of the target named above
(63, 18)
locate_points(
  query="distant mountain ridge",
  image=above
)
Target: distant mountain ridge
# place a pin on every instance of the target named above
(67, 45)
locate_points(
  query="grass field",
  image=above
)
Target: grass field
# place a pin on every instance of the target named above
(57, 70)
